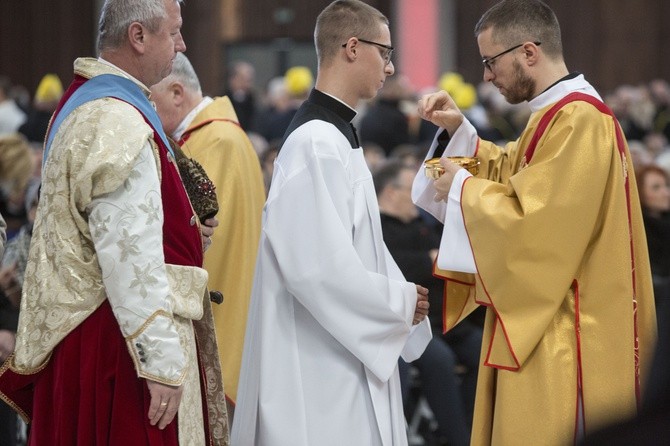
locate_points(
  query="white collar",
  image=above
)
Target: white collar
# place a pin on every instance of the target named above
(183, 125)
(560, 90)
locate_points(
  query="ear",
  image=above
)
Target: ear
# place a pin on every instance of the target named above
(531, 53)
(177, 93)
(351, 48)
(136, 36)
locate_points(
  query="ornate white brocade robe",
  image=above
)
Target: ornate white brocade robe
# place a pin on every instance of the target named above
(99, 237)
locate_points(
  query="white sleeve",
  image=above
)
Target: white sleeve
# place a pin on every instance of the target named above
(127, 231)
(455, 251)
(462, 143)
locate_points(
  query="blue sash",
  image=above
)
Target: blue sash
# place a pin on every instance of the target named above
(108, 85)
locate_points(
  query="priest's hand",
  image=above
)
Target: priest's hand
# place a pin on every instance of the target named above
(443, 184)
(440, 109)
(207, 230)
(422, 304)
(164, 403)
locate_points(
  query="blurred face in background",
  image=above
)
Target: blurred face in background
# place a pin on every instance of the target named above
(654, 193)
(165, 95)
(403, 205)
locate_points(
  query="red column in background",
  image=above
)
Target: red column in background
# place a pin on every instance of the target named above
(415, 25)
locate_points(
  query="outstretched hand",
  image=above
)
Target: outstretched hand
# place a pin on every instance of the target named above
(440, 109)
(422, 305)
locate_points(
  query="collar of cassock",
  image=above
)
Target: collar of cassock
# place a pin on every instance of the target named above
(335, 105)
(342, 110)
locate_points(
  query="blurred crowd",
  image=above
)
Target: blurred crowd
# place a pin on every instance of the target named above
(389, 126)
(390, 131)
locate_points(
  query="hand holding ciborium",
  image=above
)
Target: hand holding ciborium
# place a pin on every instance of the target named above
(434, 169)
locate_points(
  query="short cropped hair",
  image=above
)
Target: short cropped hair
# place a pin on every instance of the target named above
(117, 15)
(517, 21)
(341, 20)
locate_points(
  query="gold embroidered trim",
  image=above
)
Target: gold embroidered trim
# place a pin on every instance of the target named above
(148, 321)
(5, 398)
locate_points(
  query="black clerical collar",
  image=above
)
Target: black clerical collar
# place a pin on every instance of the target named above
(340, 108)
(572, 75)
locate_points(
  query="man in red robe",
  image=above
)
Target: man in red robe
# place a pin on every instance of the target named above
(115, 333)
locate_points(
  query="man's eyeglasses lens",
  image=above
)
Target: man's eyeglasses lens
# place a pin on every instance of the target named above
(388, 49)
(487, 61)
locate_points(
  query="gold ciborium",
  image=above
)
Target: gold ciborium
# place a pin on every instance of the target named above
(434, 169)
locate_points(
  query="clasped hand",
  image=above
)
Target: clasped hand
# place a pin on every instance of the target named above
(422, 305)
(207, 230)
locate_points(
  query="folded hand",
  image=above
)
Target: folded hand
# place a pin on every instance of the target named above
(422, 304)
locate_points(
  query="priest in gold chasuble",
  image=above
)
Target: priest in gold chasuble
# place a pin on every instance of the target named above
(547, 235)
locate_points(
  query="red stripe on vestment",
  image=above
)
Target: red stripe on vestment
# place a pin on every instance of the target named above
(580, 378)
(601, 107)
(187, 133)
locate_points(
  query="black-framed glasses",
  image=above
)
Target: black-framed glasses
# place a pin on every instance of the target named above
(386, 55)
(488, 60)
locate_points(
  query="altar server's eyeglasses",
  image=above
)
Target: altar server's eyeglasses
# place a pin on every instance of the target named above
(388, 50)
(487, 61)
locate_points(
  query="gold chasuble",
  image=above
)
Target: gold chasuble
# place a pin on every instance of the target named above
(215, 139)
(562, 267)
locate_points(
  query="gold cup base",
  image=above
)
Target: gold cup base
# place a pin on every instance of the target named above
(434, 169)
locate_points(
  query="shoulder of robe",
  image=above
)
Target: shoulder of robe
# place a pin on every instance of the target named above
(582, 113)
(103, 139)
(116, 130)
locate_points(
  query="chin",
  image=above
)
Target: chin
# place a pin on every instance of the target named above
(514, 100)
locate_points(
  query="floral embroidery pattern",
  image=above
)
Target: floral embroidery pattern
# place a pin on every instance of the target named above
(99, 223)
(151, 209)
(143, 278)
(128, 245)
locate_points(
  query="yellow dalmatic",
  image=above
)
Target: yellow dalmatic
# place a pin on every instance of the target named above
(219, 144)
(562, 267)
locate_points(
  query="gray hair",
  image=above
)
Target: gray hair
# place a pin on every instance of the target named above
(117, 15)
(183, 71)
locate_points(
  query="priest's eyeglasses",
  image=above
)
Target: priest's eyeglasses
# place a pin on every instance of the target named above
(488, 61)
(388, 50)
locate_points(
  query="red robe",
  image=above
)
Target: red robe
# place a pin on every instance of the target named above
(89, 391)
